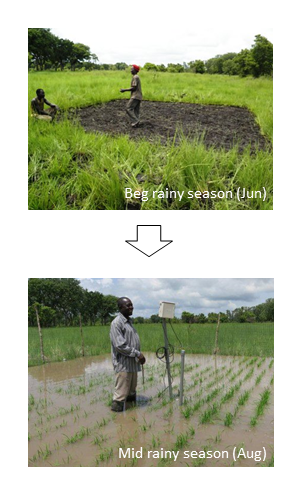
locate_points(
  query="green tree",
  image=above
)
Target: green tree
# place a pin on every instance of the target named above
(262, 52)
(155, 319)
(40, 46)
(150, 67)
(212, 317)
(62, 295)
(108, 308)
(62, 52)
(175, 68)
(139, 320)
(80, 53)
(245, 63)
(201, 318)
(197, 66)
(188, 317)
(121, 66)
(229, 67)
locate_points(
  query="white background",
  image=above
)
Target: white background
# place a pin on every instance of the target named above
(206, 244)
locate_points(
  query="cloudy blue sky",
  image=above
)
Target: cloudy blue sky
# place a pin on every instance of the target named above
(162, 42)
(191, 295)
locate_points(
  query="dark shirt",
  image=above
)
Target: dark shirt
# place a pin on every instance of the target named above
(137, 92)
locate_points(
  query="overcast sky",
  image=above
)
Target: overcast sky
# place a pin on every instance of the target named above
(182, 38)
(190, 295)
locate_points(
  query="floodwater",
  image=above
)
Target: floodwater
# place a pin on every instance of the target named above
(71, 424)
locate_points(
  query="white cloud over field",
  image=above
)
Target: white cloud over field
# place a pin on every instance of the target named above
(191, 295)
(169, 32)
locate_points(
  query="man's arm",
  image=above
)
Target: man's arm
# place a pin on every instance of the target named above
(49, 104)
(119, 342)
(128, 89)
(132, 88)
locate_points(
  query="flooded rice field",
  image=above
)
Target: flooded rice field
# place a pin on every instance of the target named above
(227, 418)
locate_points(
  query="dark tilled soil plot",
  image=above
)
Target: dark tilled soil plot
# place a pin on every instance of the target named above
(222, 127)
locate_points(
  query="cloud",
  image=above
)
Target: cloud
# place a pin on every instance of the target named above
(191, 295)
(173, 42)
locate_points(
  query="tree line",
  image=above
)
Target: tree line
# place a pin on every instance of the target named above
(47, 51)
(260, 313)
(60, 302)
(256, 62)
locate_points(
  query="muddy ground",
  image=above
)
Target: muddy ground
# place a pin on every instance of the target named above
(219, 126)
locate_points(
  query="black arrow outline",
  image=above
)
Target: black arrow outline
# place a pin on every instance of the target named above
(161, 240)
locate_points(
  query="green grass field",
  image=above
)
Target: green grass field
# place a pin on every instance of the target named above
(59, 180)
(234, 339)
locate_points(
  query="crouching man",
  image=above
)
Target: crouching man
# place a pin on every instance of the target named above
(38, 110)
(126, 355)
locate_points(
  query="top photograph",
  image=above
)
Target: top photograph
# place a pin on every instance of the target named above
(179, 122)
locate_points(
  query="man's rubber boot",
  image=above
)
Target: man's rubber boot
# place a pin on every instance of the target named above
(117, 406)
(131, 398)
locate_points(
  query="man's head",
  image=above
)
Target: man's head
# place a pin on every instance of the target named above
(135, 69)
(40, 94)
(125, 306)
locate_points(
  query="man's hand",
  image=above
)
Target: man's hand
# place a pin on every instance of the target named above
(141, 359)
(122, 90)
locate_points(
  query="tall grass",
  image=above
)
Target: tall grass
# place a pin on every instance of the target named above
(234, 339)
(72, 169)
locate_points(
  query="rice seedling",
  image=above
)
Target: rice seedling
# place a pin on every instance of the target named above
(44, 453)
(105, 455)
(230, 393)
(84, 431)
(264, 398)
(271, 364)
(249, 374)
(155, 442)
(209, 413)
(145, 426)
(243, 398)
(228, 419)
(100, 439)
(181, 442)
(259, 378)
(199, 462)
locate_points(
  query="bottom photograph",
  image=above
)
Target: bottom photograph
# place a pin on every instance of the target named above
(150, 372)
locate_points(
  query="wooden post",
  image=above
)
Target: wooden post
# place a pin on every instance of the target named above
(216, 350)
(81, 331)
(40, 335)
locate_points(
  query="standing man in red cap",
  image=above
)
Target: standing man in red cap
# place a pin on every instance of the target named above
(133, 106)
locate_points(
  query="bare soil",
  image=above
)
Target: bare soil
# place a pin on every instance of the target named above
(219, 126)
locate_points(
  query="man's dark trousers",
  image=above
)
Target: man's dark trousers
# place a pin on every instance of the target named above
(133, 110)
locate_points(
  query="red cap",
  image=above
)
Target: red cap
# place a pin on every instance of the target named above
(136, 67)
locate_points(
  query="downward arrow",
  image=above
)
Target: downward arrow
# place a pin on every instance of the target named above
(150, 241)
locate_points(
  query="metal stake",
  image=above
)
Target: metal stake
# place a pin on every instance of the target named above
(167, 359)
(182, 376)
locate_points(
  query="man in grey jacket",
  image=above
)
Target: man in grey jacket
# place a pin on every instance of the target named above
(126, 355)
